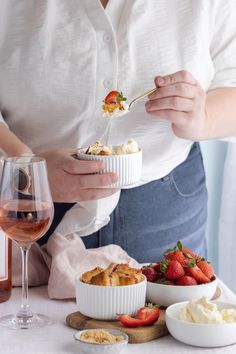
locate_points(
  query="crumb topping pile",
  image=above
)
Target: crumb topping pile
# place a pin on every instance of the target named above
(100, 337)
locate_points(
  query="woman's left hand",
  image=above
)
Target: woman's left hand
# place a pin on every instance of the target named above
(180, 99)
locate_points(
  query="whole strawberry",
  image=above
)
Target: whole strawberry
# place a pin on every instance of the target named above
(186, 280)
(150, 273)
(175, 254)
(156, 266)
(172, 269)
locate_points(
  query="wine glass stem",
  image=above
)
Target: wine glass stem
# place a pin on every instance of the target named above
(24, 313)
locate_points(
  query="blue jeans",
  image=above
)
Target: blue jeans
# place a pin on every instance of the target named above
(151, 218)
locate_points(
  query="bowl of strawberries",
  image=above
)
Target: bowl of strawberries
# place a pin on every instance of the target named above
(181, 275)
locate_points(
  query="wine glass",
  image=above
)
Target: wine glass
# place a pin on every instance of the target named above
(26, 212)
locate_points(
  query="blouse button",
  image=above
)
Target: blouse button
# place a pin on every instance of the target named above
(107, 83)
(107, 38)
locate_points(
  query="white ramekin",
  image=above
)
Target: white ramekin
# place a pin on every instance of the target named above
(106, 302)
(128, 167)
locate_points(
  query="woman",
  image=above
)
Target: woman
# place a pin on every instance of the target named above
(59, 59)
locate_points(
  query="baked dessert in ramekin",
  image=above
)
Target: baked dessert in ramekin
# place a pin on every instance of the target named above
(104, 293)
(125, 160)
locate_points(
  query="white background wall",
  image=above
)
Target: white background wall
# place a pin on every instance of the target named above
(214, 153)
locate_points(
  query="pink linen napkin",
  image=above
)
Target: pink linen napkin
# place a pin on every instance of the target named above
(64, 256)
(61, 260)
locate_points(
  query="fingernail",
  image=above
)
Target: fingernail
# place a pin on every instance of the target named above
(160, 81)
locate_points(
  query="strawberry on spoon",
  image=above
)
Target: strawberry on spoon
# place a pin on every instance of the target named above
(114, 97)
(114, 104)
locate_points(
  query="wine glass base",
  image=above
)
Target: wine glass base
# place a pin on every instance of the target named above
(36, 321)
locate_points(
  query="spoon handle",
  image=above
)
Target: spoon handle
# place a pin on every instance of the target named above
(141, 96)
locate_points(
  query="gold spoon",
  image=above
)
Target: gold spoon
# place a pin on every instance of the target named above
(140, 97)
(122, 113)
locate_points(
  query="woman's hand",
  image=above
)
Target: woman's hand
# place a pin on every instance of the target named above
(180, 99)
(72, 180)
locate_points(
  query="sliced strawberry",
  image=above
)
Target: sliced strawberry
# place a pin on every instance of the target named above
(190, 254)
(194, 271)
(186, 252)
(172, 269)
(129, 321)
(148, 314)
(114, 97)
(150, 273)
(186, 280)
(206, 268)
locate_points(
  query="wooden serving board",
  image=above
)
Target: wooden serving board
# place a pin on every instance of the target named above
(136, 335)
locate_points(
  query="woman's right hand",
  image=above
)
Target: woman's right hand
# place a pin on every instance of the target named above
(72, 180)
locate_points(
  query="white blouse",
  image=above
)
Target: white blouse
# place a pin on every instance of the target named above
(58, 60)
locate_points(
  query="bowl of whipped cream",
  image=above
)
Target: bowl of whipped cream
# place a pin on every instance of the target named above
(125, 160)
(202, 323)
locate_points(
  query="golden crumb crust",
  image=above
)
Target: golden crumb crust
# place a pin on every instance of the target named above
(114, 275)
(86, 277)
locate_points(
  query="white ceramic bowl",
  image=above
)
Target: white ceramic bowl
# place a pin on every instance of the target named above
(106, 302)
(167, 295)
(92, 348)
(197, 334)
(128, 167)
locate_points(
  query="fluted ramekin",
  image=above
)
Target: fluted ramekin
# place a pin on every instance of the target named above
(128, 167)
(106, 302)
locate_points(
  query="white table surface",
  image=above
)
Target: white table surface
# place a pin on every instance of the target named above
(58, 338)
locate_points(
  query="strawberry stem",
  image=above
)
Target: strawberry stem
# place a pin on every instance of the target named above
(164, 265)
(179, 245)
(152, 306)
(121, 97)
(191, 263)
